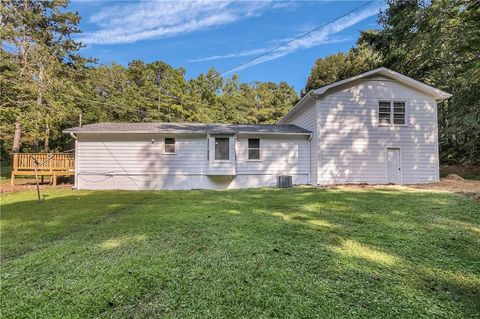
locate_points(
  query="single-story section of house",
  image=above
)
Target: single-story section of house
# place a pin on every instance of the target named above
(377, 127)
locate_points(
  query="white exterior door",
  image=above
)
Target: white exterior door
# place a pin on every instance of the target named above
(393, 166)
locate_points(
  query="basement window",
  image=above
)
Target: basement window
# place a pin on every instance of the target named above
(253, 149)
(170, 145)
(391, 113)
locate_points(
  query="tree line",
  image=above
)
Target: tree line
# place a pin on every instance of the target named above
(46, 85)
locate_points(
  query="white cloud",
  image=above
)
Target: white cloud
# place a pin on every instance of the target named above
(232, 55)
(131, 22)
(260, 51)
(316, 38)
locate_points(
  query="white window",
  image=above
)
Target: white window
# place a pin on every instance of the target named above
(399, 113)
(222, 149)
(391, 113)
(253, 149)
(169, 145)
(384, 113)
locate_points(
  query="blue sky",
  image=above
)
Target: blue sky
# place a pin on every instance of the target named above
(223, 34)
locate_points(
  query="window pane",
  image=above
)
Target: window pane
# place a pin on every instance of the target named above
(384, 118)
(399, 113)
(384, 110)
(399, 118)
(254, 154)
(169, 145)
(253, 143)
(398, 107)
(222, 148)
(384, 104)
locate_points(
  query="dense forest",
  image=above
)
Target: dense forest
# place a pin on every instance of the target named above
(46, 85)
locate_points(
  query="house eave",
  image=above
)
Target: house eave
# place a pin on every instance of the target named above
(439, 95)
(68, 131)
(187, 133)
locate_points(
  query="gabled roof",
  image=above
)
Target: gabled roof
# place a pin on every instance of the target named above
(188, 128)
(427, 89)
(437, 94)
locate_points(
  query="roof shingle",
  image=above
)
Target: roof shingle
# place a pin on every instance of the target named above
(108, 127)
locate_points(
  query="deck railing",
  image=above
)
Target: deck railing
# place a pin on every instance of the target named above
(51, 164)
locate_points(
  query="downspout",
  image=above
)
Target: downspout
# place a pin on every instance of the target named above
(235, 152)
(207, 164)
(310, 158)
(75, 176)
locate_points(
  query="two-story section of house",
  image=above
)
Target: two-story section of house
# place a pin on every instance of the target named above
(377, 127)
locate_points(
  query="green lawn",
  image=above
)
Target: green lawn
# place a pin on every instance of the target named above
(5, 173)
(298, 253)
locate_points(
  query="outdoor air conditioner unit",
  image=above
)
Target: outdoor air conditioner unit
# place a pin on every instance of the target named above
(284, 181)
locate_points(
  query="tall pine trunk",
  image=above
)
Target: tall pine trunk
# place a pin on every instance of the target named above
(16, 137)
(47, 138)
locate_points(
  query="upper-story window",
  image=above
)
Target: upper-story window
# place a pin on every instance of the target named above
(399, 113)
(253, 149)
(222, 148)
(169, 145)
(391, 113)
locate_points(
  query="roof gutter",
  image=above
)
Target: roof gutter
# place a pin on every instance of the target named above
(129, 132)
(187, 133)
(275, 133)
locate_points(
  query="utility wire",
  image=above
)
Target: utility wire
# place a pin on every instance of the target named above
(297, 38)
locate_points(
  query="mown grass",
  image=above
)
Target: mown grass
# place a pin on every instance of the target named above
(5, 173)
(299, 253)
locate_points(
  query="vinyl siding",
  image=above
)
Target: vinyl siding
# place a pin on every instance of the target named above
(136, 154)
(138, 161)
(353, 146)
(278, 156)
(307, 118)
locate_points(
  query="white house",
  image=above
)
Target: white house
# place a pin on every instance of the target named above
(377, 127)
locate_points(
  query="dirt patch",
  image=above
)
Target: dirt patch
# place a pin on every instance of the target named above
(452, 183)
(454, 177)
(455, 184)
(22, 184)
(467, 172)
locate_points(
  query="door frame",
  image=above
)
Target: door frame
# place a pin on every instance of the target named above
(400, 163)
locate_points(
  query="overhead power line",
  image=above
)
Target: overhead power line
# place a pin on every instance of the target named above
(299, 37)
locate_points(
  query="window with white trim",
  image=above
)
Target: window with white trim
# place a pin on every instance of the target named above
(391, 113)
(399, 113)
(222, 148)
(253, 149)
(169, 145)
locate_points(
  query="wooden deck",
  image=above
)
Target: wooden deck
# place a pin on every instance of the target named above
(54, 164)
